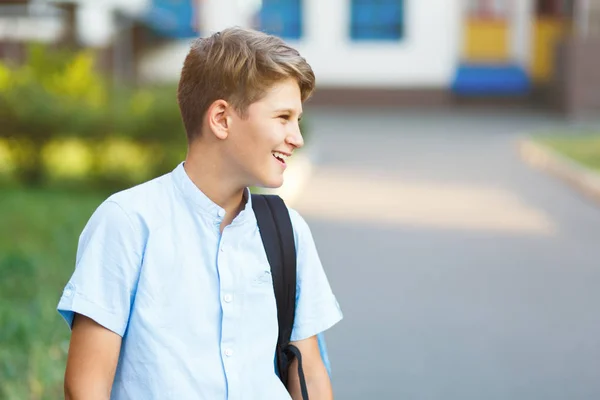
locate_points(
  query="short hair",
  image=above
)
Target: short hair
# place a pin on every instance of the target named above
(237, 65)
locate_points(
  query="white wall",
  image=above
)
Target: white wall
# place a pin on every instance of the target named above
(425, 57)
(39, 28)
(95, 20)
(164, 63)
(521, 32)
(215, 15)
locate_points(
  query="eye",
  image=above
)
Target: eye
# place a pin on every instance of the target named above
(285, 117)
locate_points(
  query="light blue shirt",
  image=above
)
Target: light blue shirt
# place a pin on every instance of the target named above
(196, 308)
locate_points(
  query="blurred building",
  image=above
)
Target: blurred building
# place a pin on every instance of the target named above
(23, 21)
(541, 52)
(409, 52)
(123, 33)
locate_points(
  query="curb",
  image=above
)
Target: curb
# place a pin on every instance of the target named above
(576, 175)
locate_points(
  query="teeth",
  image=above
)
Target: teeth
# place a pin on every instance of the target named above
(280, 155)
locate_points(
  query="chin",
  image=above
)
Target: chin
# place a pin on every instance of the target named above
(272, 182)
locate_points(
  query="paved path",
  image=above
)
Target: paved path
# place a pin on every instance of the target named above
(462, 273)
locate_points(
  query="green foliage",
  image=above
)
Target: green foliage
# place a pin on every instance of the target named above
(57, 103)
(150, 115)
(38, 239)
(51, 95)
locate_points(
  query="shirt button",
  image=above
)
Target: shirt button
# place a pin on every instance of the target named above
(221, 213)
(228, 352)
(228, 298)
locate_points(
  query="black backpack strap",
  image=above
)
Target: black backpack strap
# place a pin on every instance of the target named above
(291, 352)
(277, 235)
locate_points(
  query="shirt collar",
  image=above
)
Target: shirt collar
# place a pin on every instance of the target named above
(192, 193)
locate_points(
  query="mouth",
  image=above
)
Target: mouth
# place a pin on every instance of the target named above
(281, 157)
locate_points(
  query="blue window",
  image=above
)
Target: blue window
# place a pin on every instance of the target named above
(172, 18)
(377, 19)
(282, 18)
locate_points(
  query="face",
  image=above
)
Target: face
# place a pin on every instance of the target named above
(259, 146)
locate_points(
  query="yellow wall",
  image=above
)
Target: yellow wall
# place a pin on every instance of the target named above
(489, 41)
(486, 40)
(546, 32)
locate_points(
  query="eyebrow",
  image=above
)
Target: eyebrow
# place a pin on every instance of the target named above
(287, 110)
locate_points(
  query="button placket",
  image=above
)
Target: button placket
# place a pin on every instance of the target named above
(227, 292)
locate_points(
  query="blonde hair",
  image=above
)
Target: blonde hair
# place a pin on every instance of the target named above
(237, 65)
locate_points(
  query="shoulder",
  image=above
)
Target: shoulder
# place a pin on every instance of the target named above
(298, 222)
(143, 197)
(129, 213)
(301, 228)
(303, 235)
(142, 204)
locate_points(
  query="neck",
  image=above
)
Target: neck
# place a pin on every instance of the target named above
(207, 171)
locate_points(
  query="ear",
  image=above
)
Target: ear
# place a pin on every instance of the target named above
(218, 118)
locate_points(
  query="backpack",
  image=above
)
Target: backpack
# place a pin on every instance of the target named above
(277, 235)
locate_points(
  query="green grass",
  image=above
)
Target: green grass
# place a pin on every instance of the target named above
(38, 242)
(585, 149)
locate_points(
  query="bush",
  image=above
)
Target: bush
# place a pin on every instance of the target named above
(61, 122)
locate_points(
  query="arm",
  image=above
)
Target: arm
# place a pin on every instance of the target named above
(92, 360)
(315, 373)
(96, 301)
(317, 310)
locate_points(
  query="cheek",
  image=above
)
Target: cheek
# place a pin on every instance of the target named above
(266, 138)
(252, 149)
(255, 140)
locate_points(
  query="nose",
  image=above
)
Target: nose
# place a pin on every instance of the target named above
(294, 137)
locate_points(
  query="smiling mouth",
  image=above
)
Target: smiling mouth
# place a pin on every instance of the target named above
(280, 157)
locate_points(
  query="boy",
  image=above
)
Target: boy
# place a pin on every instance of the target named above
(172, 296)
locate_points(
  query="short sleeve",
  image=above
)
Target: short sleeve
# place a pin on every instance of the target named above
(316, 306)
(107, 266)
